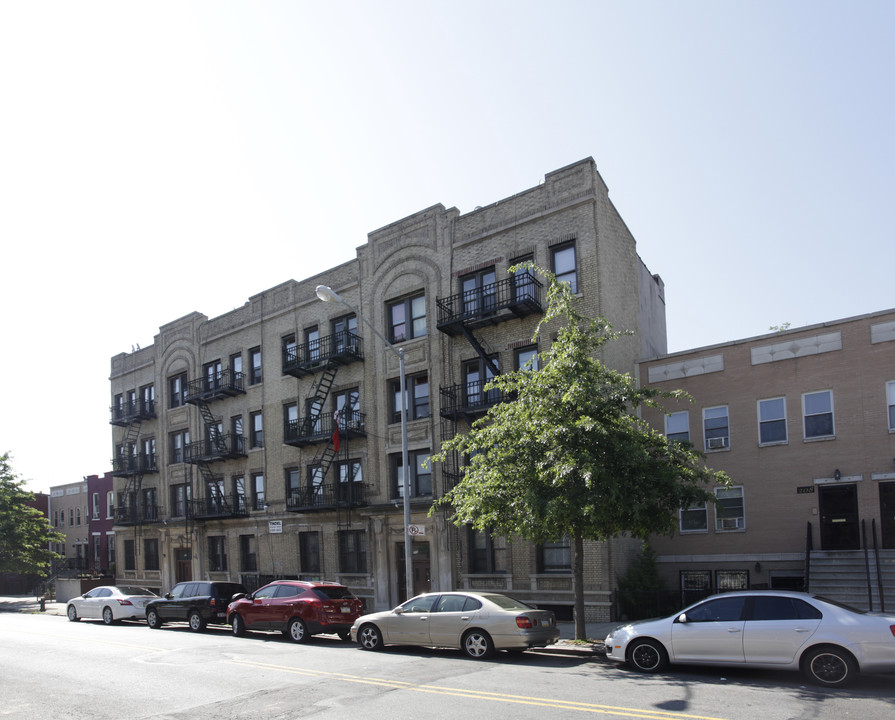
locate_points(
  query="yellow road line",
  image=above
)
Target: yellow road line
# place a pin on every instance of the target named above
(482, 694)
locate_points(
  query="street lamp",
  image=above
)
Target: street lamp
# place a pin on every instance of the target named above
(327, 294)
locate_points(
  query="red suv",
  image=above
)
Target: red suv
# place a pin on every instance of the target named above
(297, 608)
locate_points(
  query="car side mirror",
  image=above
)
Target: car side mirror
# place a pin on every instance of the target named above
(168, 596)
(238, 596)
(398, 611)
(682, 618)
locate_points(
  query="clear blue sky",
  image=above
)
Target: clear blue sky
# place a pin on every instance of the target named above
(160, 158)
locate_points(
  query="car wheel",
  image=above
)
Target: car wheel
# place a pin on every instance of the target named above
(829, 666)
(647, 656)
(477, 644)
(345, 635)
(197, 624)
(298, 631)
(237, 625)
(108, 617)
(370, 638)
(152, 619)
(72, 614)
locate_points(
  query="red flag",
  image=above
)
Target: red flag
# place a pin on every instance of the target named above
(336, 440)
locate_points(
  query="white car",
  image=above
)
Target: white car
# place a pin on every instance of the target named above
(110, 603)
(478, 623)
(829, 642)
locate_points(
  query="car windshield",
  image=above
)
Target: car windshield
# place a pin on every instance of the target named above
(838, 604)
(508, 603)
(333, 592)
(136, 591)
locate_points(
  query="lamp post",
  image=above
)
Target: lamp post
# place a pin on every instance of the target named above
(327, 294)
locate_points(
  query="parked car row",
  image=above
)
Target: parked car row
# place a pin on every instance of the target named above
(829, 642)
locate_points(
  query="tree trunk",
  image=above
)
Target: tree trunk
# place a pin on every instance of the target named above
(578, 586)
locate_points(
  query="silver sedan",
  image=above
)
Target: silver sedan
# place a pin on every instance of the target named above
(829, 642)
(110, 603)
(477, 623)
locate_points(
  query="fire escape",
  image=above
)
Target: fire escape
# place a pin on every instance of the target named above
(322, 358)
(516, 297)
(216, 447)
(132, 509)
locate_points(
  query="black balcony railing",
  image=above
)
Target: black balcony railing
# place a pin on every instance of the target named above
(315, 429)
(223, 384)
(468, 400)
(327, 496)
(139, 464)
(129, 412)
(218, 506)
(138, 514)
(220, 447)
(513, 297)
(343, 347)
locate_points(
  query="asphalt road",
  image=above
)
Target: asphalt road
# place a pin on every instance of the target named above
(50, 667)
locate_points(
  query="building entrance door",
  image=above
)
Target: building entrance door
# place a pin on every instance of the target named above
(839, 517)
(887, 514)
(183, 571)
(420, 567)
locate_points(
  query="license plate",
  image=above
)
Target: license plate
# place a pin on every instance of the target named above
(346, 609)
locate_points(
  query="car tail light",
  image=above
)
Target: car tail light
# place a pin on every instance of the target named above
(892, 629)
(125, 602)
(524, 622)
(213, 602)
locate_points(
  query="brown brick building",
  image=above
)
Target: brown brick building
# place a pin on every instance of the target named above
(267, 442)
(803, 421)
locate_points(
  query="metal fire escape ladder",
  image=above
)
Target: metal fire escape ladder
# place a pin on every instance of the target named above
(130, 455)
(217, 441)
(318, 399)
(477, 346)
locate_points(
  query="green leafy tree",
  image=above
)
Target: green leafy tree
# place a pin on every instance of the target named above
(25, 532)
(569, 456)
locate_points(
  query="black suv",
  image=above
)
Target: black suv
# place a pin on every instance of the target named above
(197, 603)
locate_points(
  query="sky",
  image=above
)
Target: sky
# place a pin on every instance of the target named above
(168, 157)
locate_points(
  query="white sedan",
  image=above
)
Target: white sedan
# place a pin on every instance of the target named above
(110, 603)
(477, 623)
(829, 642)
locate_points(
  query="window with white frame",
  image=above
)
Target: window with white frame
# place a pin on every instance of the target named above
(695, 518)
(564, 265)
(817, 411)
(716, 428)
(730, 509)
(890, 404)
(677, 426)
(772, 421)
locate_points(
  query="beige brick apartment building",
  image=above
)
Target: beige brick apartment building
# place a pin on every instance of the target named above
(803, 421)
(267, 442)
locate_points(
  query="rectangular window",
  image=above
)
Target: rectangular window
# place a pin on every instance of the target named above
(239, 493)
(347, 412)
(716, 428)
(217, 553)
(476, 374)
(176, 387)
(110, 504)
(312, 343)
(150, 504)
(110, 546)
(255, 375)
(178, 442)
(730, 580)
(730, 510)
(772, 421)
(150, 554)
(407, 318)
(555, 557)
(694, 519)
(479, 291)
(677, 426)
(352, 551)
(180, 496)
(564, 265)
(290, 350)
(420, 477)
(527, 358)
(236, 368)
(481, 551)
(417, 397)
(890, 404)
(213, 374)
(344, 334)
(248, 557)
(817, 410)
(95, 506)
(293, 485)
(257, 428)
(130, 558)
(258, 492)
(309, 552)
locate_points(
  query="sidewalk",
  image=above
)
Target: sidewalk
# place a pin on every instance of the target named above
(596, 632)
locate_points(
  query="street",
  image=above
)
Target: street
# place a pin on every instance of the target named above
(53, 668)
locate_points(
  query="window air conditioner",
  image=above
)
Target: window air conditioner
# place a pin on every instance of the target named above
(736, 523)
(716, 443)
